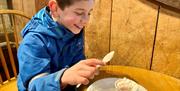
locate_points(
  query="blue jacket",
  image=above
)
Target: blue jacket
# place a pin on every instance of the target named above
(47, 47)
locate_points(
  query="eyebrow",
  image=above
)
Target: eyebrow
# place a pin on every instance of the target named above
(82, 9)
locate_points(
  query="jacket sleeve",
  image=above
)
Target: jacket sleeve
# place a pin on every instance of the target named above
(33, 60)
(46, 83)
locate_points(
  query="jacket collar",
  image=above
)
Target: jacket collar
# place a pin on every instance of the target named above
(61, 31)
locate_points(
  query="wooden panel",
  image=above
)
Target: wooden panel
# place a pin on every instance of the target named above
(29, 7)
(133, 28)
(18, 5)
(22, 5)
(40, 4)
(98, 30)
(167, 49)
(172, 3)
(3, 4)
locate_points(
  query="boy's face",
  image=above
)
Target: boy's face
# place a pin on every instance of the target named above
(75, 16)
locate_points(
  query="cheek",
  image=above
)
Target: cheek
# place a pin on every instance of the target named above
(72, 20)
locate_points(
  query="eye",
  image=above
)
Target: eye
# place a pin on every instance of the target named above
(89, 13)
(79, 13)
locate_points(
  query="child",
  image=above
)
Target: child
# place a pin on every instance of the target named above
(51, 53)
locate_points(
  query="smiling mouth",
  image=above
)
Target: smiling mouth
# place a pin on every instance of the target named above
(78, 26)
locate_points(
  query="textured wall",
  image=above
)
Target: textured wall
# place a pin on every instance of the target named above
(143, 34)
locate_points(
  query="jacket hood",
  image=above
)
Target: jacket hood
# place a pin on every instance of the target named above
(43, 23)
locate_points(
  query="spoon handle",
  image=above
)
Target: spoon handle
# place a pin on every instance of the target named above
(77, 86)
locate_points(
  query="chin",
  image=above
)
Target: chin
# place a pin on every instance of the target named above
(76, 31)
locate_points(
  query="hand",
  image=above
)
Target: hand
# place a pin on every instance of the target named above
(81, 72)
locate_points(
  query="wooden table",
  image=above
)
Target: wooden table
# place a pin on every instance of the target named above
(152, 81)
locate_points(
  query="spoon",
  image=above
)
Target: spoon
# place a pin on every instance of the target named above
(106, 59)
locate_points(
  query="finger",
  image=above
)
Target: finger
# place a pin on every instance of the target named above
(83, 80)
(93, 62)
(87, 71)
(86, 74)
(96, 73)
(88, 68)
(92, 77)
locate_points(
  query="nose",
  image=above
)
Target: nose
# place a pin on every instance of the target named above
(84, 19)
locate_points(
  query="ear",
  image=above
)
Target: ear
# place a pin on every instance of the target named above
(53, 8)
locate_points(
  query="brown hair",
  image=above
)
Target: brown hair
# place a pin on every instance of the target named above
(65, 3)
